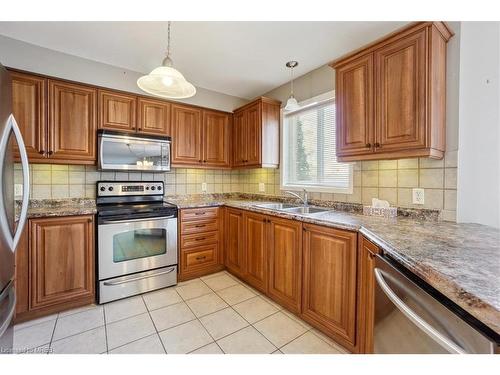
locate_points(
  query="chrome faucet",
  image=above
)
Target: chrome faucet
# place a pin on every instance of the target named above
(305, 199)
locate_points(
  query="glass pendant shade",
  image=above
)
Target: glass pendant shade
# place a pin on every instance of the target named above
(166, 82)
(291, 104)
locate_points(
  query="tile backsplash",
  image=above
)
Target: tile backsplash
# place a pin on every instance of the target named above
(391, 180)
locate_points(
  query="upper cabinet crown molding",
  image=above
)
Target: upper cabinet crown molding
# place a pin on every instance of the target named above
(391, 96)
(256, 133)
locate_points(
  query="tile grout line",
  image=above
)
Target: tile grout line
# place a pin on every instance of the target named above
(53, 332)
(154, 325)
(105, 329)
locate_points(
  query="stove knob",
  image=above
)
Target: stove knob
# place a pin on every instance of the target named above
(147, 187)
(102, 188)
(110, 188)
(153, 188)
(159, 187)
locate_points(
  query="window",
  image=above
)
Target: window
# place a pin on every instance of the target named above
(308, 159)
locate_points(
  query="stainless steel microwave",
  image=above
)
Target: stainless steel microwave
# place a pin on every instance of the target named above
(132, 152)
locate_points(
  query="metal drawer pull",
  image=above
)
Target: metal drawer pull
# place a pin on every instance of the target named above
(137, 220)
(113, 283)
(416, 319)
(200, 213)
(200, 238)
(199, 226)
(201, 258)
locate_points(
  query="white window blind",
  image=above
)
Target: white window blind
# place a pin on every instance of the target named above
(309, 159)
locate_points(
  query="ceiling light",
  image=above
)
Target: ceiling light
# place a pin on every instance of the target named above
(291, 103)
(165, 81)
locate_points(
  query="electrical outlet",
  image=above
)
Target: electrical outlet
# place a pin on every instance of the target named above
(18, 190)
(418, 196)
(204, 187)
(262, 187)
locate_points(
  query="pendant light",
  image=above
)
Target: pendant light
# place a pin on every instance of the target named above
(165, 81)
(291, 103)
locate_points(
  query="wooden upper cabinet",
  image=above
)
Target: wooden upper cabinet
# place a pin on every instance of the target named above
(62, 260)
(285, 263)
(154, 117)
(117, 111)
(28, 106)
(329, 286)
(235, 259)
(72, 122)
(255, 245)
(256, 134)
(239, 143)
(391, 96)
(354, 104)
(401, 93)
(216, 131)
(186, 135)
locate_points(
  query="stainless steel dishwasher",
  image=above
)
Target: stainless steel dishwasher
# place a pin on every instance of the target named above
(410, 317)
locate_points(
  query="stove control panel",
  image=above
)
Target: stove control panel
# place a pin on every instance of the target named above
(114, 188)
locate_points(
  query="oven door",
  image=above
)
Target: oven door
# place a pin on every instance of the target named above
(135, 245)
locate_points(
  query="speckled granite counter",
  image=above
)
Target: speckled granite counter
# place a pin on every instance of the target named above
(462, 261)
(59, 207)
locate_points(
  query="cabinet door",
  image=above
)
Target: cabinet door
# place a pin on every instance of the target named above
(72, 123)
(235, 244)
(215, 139)
(186, 135)
(28, 107)
(329, 289)
(154, 117)
(239, 139)
(117, 111)
(255, 248)
(253, 137)
(285, 262)
(401, 93)
(366, 292)
(62, 260)
(354, 103)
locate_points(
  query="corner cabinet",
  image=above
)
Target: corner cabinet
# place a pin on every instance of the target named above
(55, 266)
(329, 286)
(391, 96)
(256, 133)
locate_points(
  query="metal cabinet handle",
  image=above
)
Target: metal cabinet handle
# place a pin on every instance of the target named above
(201, 258)
(200, 238)
(199, 226)
(113, 283)
(377, 145)
(200, 213)
(368, 145)
(416, 319)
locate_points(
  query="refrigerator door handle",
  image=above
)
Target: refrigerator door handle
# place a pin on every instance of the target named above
(4, 223)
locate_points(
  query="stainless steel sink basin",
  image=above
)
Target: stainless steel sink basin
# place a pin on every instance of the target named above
(277, 206)
(306, 210)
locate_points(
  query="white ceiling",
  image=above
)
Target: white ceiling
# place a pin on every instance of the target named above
(243, 59)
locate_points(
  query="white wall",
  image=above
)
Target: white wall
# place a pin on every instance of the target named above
(25, 56)
(479, 124)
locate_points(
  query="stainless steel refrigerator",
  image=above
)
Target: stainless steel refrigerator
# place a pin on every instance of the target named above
(10, 228)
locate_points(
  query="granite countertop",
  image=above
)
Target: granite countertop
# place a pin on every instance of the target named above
(462, 261)
(59, 207)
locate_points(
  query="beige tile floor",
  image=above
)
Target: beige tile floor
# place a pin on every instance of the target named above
(214, 314)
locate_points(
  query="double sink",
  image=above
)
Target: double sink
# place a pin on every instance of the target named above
(292, 208)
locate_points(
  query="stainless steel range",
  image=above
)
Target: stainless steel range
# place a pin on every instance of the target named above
(136, 239)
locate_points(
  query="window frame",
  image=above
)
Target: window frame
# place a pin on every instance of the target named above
(330, 95)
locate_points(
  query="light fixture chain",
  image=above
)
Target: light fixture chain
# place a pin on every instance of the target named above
(168, 39)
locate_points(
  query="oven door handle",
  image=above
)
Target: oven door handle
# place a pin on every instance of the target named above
(126, 221)
(136, 278)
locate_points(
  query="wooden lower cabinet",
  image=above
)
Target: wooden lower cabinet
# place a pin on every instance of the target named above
(235, 259)
(200, 248)
(285, 262)
(255, 246)
(329, 282)
(57, 255)
(366, 293)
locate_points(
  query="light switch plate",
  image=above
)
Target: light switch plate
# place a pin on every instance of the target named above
(262, 187)
(418, 196)
(204, 187)
(18, 190)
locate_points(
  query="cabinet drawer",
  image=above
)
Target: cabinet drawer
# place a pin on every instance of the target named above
(199, 258)
(199, 239)
(199, 226)
(199, 213)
